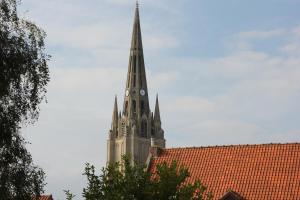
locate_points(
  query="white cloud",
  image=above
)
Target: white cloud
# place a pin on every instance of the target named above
(258, 95)
(247, 40)
(161, 81)
(80, 79)
(261, 34)
(296, 31)
(189, 105)
(164, 5)
(160, 41)
(292, 47)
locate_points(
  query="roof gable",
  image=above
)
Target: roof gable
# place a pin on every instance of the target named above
(231, 195)
(267, 171)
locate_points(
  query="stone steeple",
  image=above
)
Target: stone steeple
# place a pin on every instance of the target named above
(135, 129)
(136, 102)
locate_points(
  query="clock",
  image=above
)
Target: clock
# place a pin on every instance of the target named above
(127, 93)
(142, 92)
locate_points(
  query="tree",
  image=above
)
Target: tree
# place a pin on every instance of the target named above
(169, 183)
(23, 77)
(124, 181)
(69, 195)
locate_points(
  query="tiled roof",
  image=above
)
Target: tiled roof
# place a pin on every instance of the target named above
(231, 195)
(266, 171)
(46, 197)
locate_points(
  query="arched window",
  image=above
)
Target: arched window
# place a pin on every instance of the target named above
(140, 70)
(126, 106)
(134, 105)
(142, 107)
(134, 80)
(129, 71)
(134, 64)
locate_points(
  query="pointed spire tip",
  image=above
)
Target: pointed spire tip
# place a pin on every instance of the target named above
(156, 110)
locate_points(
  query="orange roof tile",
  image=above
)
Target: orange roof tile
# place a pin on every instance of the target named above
(46, 197)
(266, 171)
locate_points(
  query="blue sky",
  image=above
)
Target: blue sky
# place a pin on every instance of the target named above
(227, 72)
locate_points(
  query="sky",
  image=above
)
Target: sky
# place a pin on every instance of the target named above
(226, 72)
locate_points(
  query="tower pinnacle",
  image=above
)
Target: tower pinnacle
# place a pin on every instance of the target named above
(115, 118)
(156, 111)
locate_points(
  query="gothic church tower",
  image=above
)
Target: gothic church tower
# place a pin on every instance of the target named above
(135, 129)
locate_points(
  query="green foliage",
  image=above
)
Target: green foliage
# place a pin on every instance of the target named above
(132, 182)
(23, 77)
(169, 183)
(24, 71)
(117, 181)
(69, 195)
(20, 179)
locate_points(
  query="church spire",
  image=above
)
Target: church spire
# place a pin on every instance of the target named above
(135, 130)
(136, 102)
(156, 111)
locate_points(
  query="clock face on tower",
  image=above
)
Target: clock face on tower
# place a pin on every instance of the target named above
(142, 92)
(127, 93)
